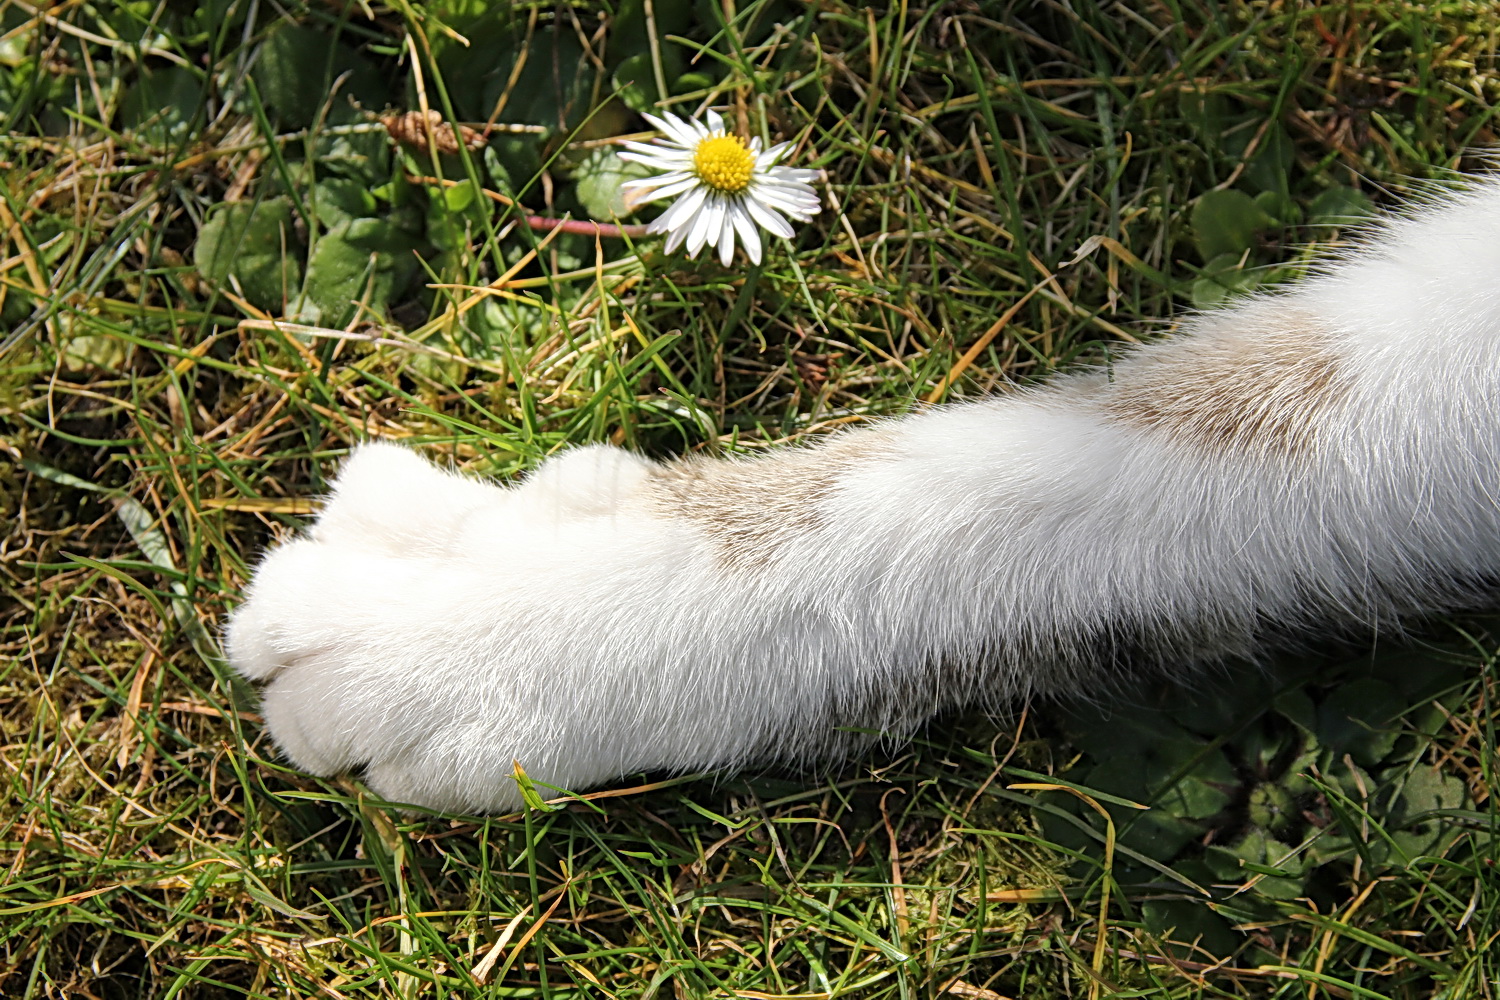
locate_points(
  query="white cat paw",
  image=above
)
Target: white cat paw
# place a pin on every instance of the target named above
(433, 630)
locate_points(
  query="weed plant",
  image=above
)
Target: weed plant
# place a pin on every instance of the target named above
(238, 237)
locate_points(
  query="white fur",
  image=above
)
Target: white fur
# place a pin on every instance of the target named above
(433, 630)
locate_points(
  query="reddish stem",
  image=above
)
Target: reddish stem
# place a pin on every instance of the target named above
(541, 223)
(585, 227)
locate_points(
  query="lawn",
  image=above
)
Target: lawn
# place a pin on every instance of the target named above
(237, 237)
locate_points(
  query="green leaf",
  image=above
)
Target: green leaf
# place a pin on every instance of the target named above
(1227, 223)
(1189, 922)
(455, 215)
(1267, 168)
(1271, 807)
(296, 69)
(1225, 277)
(362, 156)
(1215, 710)
(635, 82)
(251, 246)
(1279, 868)
(1279, 206)
(1157, 834)
(162, 103)
(1359, 719)
(1426, 794)
(1297, 706)
(599, 177)
(339, 199)
(363, 261)
(1340, 205)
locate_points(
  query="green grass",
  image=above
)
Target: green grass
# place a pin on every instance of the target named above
(179, 178)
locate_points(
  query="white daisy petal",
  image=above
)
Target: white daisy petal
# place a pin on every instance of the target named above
(658, 163)
(767, 219)
(792, 191)
(651, 149)
(657, 151)
(745, 226)
(768, 159)
(726, 238)
(791, 175)
(672, 127)
(682, 211)
(671, 190)
(726, 188)
(660, 124)
(775, 182)
(660, 180)
(705, 222)
(787, 204)
(685, 134)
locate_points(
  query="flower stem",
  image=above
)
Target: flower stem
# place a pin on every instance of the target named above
(543, 223)
(584, 227)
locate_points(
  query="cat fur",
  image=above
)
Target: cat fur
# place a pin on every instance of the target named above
(1324, 457)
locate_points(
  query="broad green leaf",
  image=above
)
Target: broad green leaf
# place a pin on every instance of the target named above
(553, 87)
(1426, 793)
(361, 156)
(1298, 707)
(455, 216)
(1189, 922)
(296, 69)
(359, 261)
(339, 199)
(1218, 709)
(1226, 223)
(635, 82)
(1359, 718)
(1226, 276)
(161, 104)
(599, 176)
(1340, 205)
(1270, 164)
(251, 246)
(1280, 207)
(1276, 867)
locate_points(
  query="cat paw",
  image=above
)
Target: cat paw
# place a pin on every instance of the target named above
(433, 630)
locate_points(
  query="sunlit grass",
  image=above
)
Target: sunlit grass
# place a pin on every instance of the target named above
(164, 423)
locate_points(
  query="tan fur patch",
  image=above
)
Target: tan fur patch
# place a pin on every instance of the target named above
(1221, 390)
(753, 506)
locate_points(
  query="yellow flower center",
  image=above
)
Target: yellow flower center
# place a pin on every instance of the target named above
(724, 163)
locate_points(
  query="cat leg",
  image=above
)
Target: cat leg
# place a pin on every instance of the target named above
(434, 631)
(1314, 460)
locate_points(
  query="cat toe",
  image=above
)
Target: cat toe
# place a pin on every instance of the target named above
(587, 482)
(389, 499)
(305, 720)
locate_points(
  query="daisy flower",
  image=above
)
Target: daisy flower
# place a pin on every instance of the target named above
(723, 186)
